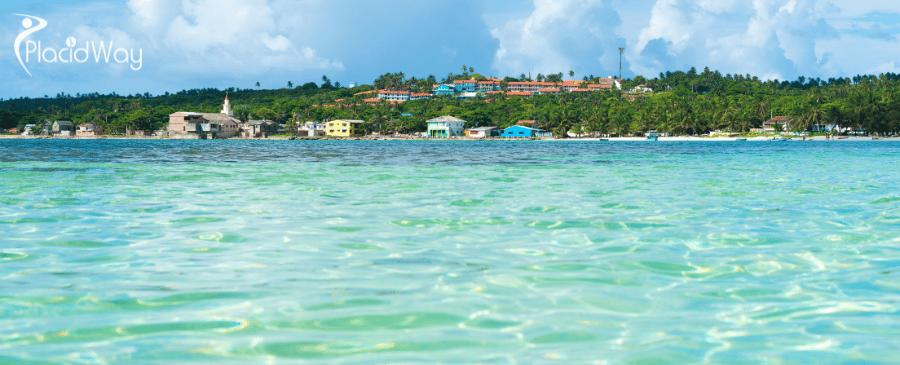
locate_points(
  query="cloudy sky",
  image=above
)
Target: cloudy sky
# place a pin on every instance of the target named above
(184, 44)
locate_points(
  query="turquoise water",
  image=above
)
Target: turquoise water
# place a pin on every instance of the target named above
(376, 252)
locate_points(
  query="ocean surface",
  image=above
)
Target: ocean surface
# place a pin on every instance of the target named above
(402, 252)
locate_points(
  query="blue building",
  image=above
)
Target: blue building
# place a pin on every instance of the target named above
(519, 131)
(444, 90)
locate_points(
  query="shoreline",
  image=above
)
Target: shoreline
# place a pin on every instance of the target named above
(389, 138)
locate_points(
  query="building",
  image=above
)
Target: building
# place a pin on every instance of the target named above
(488, 85)
(445, 127)
(483, 132)
(312, 129)
(30, 130)
(419, 96)
(548, 91)
(769, 125)
(443, 90)
(258, 129)
(89, 130)
(192, 125)
(63, 128)
(528, 86)
(465, 86)
(391, 95)
(344, 128)
(519, 131)
(641, 89)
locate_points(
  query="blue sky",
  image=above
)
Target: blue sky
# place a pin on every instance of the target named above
(186, 44)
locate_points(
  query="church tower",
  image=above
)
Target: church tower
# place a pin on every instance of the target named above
(226, 109)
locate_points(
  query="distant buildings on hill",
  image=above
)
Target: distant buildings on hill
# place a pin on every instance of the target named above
(473, 88)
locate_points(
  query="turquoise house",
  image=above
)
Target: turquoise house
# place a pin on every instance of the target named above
(444, 90)
(519, 131)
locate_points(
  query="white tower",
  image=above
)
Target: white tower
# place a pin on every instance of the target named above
(226, 109)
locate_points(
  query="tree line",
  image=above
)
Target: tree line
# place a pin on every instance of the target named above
(683, 103)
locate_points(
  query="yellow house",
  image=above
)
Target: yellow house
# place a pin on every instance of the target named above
(343, 128)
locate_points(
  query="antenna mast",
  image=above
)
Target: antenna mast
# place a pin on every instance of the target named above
(621, 50)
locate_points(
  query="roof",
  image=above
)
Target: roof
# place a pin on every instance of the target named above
(365, 92)
(420, 94)
(63, 122)
(392, 92)
(526, 121)
(86, 125)
(548, 90)
(256, 122)
(532, 83)
(214, 118)
(520, 93)
(779, 119)
(464, 81)
(483, 129)
(446, 118)
(524, 127)
(355, 121)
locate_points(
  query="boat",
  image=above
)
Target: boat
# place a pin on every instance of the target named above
(604, 140)
(780, 138)
(741, 140)
(652, 135)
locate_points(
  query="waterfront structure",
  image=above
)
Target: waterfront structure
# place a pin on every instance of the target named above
(483, 132)
(344, 128)
(769, 125)
(89, 130)
(258, 128)
(30, 129)
(445, 127)
(63, 127)
(519, 131)
(312, 129)
(191, 125)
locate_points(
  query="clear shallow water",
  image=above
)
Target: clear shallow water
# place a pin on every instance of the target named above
(364, 252)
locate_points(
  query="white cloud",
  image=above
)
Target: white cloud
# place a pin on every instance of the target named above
(762, 37)
(772, 39)
(559, 36)
(244, 34)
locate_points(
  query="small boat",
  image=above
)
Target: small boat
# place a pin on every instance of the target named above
(741, 140)
(652, 135)
(652, 138)
(604, 140)
(780, 138)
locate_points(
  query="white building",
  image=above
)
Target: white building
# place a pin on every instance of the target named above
(445, 127)
(391, 95)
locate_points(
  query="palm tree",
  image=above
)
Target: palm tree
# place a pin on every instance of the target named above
(257, 86)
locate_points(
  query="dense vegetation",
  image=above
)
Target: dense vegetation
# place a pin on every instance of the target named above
(683, 103)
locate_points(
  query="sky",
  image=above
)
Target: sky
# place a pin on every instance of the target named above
(163, 46)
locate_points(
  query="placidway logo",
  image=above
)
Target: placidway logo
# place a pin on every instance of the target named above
(101, 52)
